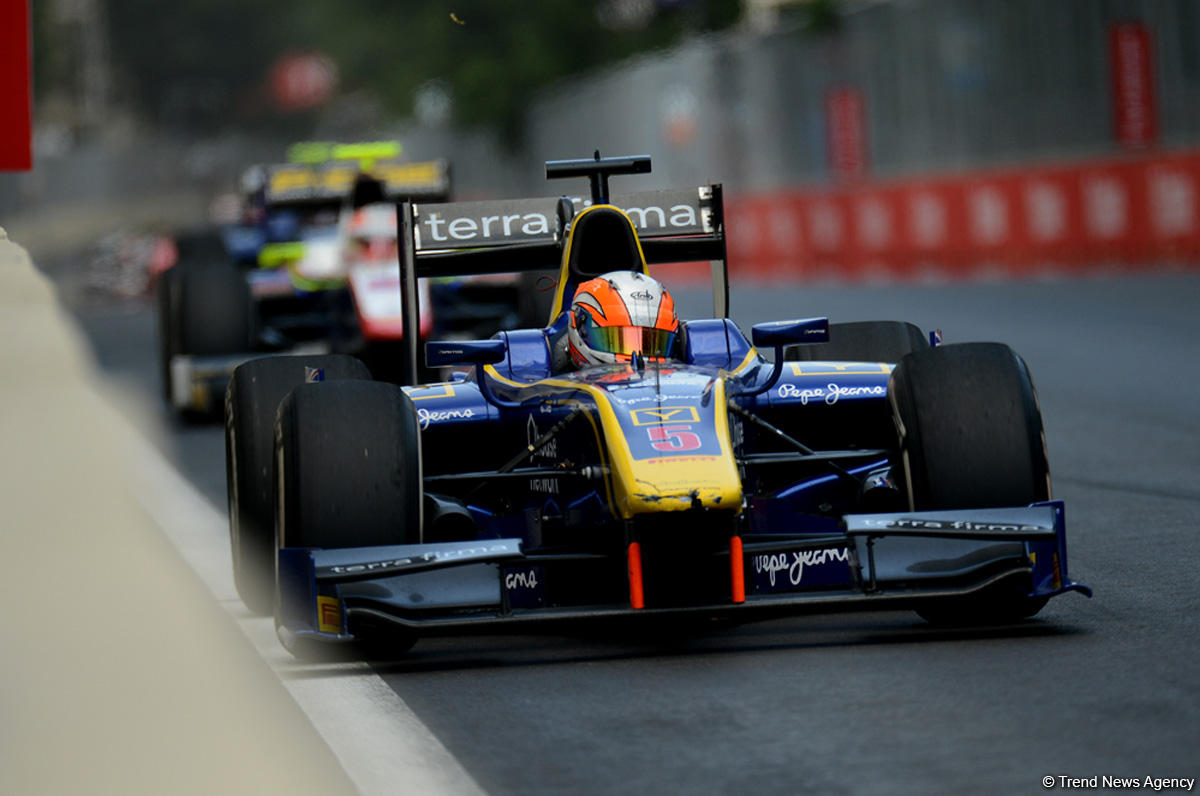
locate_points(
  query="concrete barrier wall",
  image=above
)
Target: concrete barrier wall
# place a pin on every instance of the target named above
(119, 673)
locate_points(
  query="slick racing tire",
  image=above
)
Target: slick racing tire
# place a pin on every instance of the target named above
(215, 310)
(203, 310)
(251, 403)
(863, 341)
(971, 436)
(348, 466)
(166, 296)
(349, 475)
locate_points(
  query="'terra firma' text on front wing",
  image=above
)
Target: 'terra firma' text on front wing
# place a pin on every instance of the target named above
(922, 560)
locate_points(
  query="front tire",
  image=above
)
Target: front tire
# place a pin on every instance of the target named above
(348, 466)
(971, 436)
(251, 402)
(349, 475)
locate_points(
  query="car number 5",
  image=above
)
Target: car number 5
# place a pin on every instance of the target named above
(673, 438)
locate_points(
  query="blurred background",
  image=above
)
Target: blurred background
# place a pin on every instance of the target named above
(855, 138)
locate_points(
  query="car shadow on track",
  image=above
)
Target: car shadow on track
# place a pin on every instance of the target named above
(610, 644)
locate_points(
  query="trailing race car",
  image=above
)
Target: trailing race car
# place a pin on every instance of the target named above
(312, 269)
(860, 468)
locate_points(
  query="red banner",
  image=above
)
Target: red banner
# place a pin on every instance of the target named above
(846, 131)
(1135, 104)
(16, 98)
(1126, 212)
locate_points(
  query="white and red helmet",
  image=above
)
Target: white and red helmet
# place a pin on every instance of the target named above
(370, 233)
(617, 314)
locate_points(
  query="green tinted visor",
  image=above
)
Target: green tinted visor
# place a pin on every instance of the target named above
(647, 340)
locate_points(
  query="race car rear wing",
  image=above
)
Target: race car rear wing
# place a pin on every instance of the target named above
(334, 182)
(512, 235)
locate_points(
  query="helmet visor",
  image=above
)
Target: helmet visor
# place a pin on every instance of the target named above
(647, 340)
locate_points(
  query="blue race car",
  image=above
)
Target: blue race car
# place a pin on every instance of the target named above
(860, 467)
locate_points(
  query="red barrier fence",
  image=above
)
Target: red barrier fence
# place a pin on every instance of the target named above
(16, 108)
(1130, 210)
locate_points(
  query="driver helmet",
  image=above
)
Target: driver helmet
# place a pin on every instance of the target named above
(618, 313)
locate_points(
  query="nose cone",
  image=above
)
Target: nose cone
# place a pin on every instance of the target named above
(679, 483)
(670, 444)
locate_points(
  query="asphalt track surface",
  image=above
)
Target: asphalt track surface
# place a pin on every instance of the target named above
(879, 702)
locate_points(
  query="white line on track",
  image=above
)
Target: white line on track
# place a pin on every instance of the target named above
(383, 746)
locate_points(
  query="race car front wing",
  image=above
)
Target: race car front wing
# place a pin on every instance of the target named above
(877, 562)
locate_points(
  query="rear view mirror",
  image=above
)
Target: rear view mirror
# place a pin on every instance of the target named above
(454, 352)
(780, 333)
(475, 352)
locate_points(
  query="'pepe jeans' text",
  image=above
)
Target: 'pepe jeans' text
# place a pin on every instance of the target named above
(793, 563)
(830, 393)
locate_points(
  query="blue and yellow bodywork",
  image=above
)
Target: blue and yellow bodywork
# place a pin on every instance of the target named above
(655, 489)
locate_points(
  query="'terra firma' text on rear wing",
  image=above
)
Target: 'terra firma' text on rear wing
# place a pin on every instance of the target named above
(509, 235)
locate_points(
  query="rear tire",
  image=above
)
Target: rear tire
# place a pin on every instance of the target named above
(251, 403)
(863, 341)
(215, 310)
(204, 310)
(167, 295)
(971, 436)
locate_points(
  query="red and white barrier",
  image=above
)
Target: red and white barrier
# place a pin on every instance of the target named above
(1128, 211)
